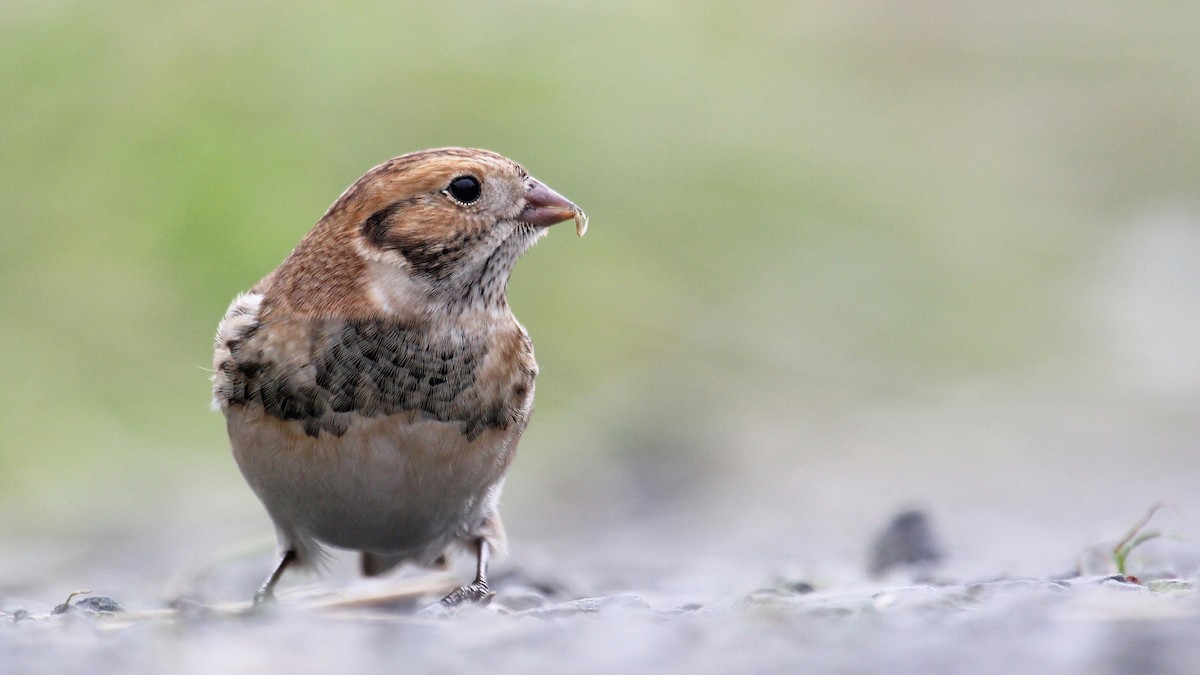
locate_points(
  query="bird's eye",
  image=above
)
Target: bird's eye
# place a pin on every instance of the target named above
(465, 189)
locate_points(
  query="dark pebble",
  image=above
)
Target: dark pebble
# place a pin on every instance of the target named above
(907, 541)
(100, 604)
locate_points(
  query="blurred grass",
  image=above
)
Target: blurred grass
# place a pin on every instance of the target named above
(787, 200)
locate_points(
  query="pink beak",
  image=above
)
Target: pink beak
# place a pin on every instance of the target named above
(545, 207)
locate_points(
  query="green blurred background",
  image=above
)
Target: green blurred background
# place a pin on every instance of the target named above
(843, 256)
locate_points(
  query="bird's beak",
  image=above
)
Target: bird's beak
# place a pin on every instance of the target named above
(545, 207)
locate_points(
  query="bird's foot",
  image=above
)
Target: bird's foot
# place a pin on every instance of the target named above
(263, 598)
(475, 593)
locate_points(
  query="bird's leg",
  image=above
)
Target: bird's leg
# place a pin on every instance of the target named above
(267, 592)
(477, 591)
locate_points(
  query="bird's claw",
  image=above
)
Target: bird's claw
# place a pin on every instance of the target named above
(475, 593)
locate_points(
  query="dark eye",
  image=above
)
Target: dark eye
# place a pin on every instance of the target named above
(465, 189)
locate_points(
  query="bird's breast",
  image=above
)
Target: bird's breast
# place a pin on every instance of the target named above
(369, 433)
(323, 373)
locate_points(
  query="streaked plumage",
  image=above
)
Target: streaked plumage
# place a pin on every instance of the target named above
(375, 385)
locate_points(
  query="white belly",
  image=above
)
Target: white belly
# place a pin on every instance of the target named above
(396, 485)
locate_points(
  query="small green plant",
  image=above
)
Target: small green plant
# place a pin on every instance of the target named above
(66, 606)
(1136, 537)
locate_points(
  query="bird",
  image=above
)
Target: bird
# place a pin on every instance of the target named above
(375, 385)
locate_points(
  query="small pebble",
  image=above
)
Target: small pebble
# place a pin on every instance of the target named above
(99, 604)
(907, 541)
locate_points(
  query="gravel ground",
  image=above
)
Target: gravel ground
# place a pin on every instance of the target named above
(1097, 625)
(699, 613)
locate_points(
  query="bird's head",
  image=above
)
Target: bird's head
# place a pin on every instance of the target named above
(437, 229)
